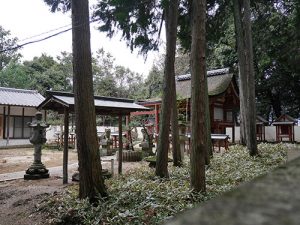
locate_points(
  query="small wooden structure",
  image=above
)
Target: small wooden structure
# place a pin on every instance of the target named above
(285, 130)
(63, 103)
(260, 128)
(220, 140)
(17, 109)
(223, 101)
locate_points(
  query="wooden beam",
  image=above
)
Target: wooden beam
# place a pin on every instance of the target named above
(143, 113)
(8, 125)
(66, 146)
(120, 145)
(156, 119)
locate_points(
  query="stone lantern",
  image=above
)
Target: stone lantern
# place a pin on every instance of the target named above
(37, 170)
(182, 138)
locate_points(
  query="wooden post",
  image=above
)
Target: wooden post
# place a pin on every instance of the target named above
(112, 167)
(120, 145)
(156, 119)
(66, 146)
(8, 125)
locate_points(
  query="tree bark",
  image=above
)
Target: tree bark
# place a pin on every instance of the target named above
(120, 146)
(199, 109)
(169, 75)
(177, 161)
(246, 72)
(66, 146)
(91, 183)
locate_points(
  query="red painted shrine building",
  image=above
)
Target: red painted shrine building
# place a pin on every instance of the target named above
(223, 101)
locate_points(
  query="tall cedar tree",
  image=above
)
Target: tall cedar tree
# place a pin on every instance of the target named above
(168, 90)
(91, 183)
(246, 73)
(199, 93)
(171, 23)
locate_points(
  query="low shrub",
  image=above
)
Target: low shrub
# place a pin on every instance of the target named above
(141, 198)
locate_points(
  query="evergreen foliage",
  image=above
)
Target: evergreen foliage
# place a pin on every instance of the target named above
(141, 198)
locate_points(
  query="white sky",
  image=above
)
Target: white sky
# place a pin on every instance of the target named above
(31, 17)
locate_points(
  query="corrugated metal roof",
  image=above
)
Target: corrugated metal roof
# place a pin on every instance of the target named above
(107, 103)
(20, 97)
(101, 103)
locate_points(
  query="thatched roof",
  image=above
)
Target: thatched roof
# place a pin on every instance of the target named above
(217, 81)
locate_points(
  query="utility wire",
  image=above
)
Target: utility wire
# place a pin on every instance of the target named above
(46, 32)
(45, 38)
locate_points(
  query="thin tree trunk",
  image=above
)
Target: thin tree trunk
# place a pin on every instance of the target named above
(120, 145)
(177, 161)
(66, 146)
(169, 74)
(91, 183)
(247, 79)
(209, 152)
(198, 97)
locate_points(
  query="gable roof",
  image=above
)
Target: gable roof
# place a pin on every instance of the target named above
(284, 119)
(261, 120)
(217, 82)
(103, 105)
(20, 97)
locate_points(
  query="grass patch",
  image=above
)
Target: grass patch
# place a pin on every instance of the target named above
(141, 198)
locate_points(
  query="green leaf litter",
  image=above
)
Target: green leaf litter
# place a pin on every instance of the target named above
(141, 198)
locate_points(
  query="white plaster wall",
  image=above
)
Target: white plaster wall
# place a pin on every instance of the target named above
(17, 111)
(270, 133)
(297, 133)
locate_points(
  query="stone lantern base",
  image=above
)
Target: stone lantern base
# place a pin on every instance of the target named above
(36, 171)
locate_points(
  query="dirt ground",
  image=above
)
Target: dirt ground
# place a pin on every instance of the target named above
(14, 160)
(19, 198)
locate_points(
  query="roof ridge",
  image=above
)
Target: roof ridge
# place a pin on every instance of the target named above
(210, 73)
(18, 90)
(70, 94)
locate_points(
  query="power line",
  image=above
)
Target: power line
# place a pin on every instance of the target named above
(45, 38)
(46, 32)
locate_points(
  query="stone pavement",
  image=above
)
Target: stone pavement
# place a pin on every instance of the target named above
(271, 199)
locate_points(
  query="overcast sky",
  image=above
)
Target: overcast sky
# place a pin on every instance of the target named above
(31, 17)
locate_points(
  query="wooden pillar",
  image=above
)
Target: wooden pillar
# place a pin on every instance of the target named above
(45, 115)
(293, 132)
(186, 110)
(233, 133)
(66, 146)
(23, 114)
(120, 145)
(8, 125)
(156, 119)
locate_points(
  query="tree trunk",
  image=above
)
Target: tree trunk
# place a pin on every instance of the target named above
(66, 146)
(177, 161)
(91, 182)
(199, 130)
(169, 75)
(246, 72)
(209, 153)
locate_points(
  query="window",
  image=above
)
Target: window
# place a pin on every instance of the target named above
(21, 128)
(218, 113)
(229, 116)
